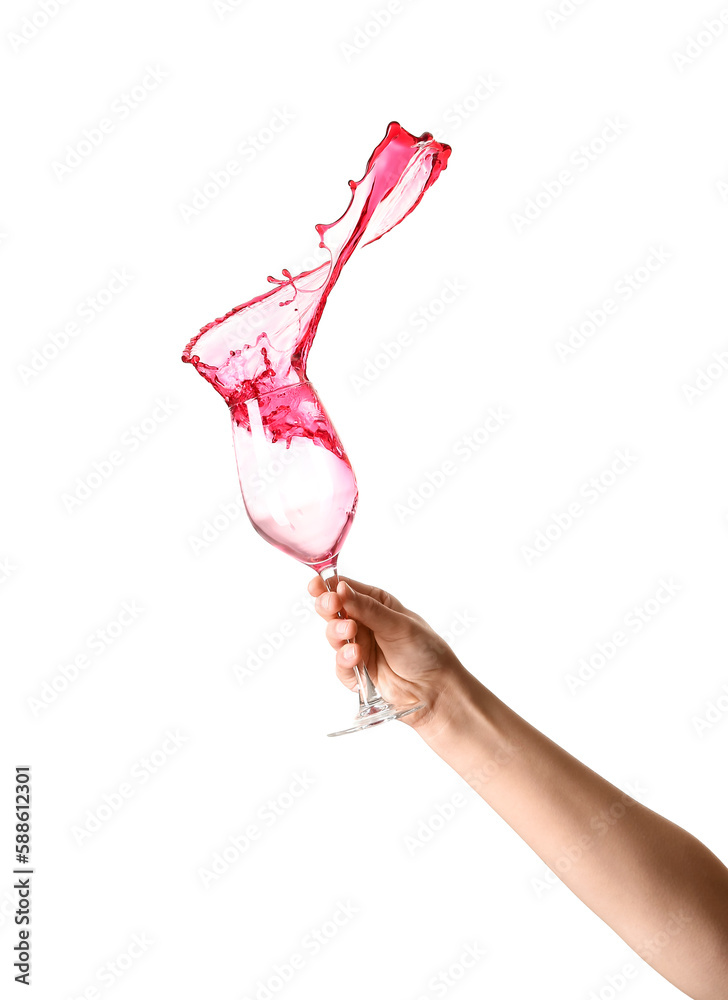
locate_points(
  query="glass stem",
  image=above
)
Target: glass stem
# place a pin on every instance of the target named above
(368, 694)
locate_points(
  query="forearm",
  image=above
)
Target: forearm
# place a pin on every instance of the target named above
(657, 886)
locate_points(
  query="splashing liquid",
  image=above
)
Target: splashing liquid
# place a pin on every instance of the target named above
(255, 355)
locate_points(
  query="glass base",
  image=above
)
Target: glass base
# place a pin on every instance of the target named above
(374, 714)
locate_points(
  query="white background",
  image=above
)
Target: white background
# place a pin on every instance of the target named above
(207, 610)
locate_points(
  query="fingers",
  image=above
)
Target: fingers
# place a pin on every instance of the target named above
(328, 604)
(327, 607)
(347, 657)
(382, 596)
(384, 621)
(316, 587)
(339, 630)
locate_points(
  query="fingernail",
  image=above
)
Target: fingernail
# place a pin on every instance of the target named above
(341, 627)
(349, 653)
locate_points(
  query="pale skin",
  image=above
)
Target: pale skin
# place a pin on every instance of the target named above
(658, 887)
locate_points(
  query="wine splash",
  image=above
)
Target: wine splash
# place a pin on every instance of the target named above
(255, 357)
(264, 343)
(297, 482)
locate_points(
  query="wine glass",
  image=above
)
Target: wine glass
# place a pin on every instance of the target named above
(300, 494)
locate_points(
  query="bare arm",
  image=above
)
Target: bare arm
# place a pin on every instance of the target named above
(655, 884)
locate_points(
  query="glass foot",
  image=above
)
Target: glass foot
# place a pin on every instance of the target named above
(374, 714)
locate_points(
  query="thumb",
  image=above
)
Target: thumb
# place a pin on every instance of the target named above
(367, 610)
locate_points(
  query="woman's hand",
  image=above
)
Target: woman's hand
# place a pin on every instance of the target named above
(406, 659)
(599, 840)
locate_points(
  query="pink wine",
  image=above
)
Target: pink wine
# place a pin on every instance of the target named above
(298, 485)
(297, 482)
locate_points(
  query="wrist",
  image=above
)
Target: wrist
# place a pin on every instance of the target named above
(469, 728)
(454, 707)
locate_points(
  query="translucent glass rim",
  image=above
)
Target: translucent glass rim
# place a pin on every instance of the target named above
(271, 392)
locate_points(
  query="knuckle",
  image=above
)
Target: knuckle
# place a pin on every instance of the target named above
(382, 597)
